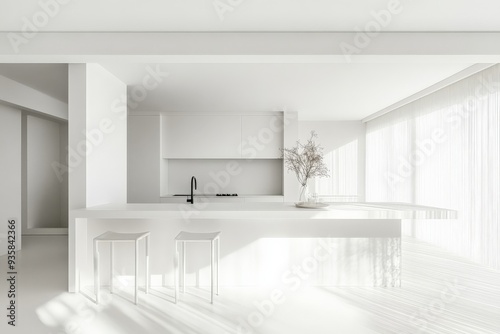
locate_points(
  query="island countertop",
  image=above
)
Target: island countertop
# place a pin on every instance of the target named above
(353, 210)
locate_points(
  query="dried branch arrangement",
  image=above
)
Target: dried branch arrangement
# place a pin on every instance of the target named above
(306, 160)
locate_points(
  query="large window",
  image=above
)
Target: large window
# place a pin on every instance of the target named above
(444, 150)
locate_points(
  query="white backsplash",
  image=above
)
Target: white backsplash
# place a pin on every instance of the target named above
(244, 177)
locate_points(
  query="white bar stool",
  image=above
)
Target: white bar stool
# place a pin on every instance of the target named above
(181, 240)
(113, 237)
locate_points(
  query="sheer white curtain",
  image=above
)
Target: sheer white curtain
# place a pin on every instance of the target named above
(342, 183)
(444, 150)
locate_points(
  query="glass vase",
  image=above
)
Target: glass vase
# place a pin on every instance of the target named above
(304, 193)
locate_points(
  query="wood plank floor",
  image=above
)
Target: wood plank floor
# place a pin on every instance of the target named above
(441, 293)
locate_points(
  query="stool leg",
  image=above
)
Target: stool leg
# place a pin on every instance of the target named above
(136, 271)
(147, 264)
(218, 260)
(96, 272)
(111, 246)
(176, 270)
(212, 271)
(183, 266)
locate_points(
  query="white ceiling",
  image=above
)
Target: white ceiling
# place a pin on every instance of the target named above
(254, 15)
(317, 91)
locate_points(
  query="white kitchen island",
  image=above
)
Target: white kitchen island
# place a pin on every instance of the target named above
(259, 240)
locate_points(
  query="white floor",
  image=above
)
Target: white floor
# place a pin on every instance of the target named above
(441, 294)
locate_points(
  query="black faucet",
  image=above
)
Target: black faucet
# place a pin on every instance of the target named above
(191, 200)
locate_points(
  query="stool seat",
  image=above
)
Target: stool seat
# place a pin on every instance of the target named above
(188, 236)
(116, 236)
(113, 237)
(180, 240)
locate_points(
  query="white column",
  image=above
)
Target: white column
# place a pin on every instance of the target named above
(10, 177)
(97, 148)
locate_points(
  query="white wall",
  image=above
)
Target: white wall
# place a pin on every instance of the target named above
(44, 191)
(143, 159)
(107, 127)
(97, 137)
(63, 158)
(10, 175)
(35, 102)
(77, 125)
(344, 154)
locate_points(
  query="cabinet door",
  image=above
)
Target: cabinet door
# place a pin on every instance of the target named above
(201, 136)
(143, 159)
(261, 136)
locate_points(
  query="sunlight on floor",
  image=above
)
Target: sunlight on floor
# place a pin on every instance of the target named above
(441, 294)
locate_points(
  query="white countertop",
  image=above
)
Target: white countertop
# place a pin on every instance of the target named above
(213, 195)
(233, 211)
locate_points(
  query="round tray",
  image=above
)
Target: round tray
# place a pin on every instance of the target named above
(308, 205)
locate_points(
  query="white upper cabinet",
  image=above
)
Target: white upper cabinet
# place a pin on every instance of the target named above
(222, 136)
(261, 136)
(201, 136)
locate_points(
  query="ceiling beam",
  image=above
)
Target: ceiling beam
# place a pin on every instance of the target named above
(223, 47)
(26, 98)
